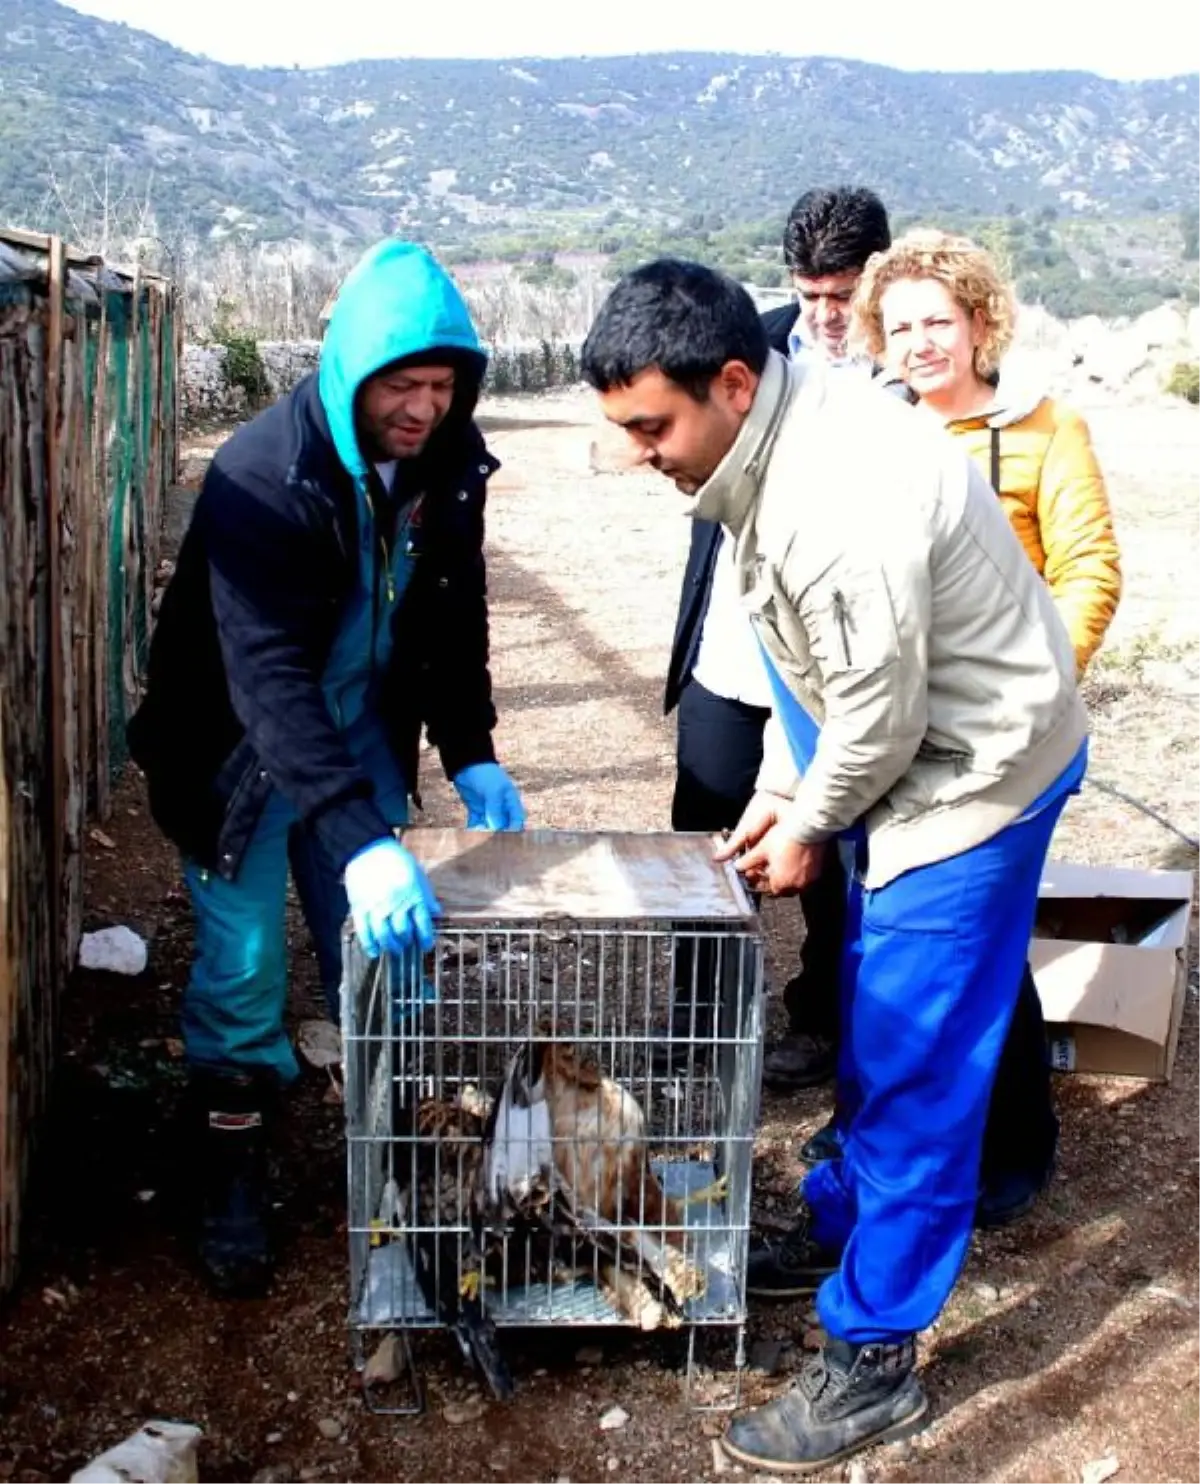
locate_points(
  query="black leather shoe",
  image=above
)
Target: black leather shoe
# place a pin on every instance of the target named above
(791, 1267)
(847, 1398)
(824, 1144)
(1007, 1198)
(799, 1060)
(687, 1040)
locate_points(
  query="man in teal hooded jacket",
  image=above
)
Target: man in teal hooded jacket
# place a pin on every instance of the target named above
(329, 600)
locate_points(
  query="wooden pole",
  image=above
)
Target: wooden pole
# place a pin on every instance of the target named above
(10, 1122)
(57, 708)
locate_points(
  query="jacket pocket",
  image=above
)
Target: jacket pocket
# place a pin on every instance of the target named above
(785, 639)
(852, 621)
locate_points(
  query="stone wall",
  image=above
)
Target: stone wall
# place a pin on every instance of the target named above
(209, 395)
(1084, 360)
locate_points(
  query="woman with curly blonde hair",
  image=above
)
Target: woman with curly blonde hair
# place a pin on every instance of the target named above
(935, 310)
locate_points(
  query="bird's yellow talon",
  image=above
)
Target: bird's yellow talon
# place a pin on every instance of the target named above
(717, 1191)
(468, 1287)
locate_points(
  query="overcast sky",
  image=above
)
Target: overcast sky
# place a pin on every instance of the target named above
(1155, 38)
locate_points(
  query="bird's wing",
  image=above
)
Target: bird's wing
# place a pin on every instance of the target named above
(518, 1152)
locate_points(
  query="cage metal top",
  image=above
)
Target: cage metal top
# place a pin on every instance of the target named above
(579, 875)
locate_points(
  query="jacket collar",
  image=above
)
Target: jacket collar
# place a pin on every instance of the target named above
(733, 486)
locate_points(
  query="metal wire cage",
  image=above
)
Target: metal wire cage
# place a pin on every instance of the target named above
(625, 973)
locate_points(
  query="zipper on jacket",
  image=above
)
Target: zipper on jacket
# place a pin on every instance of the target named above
(841, 616)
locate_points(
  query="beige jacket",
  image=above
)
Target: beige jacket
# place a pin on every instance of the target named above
(890, 592)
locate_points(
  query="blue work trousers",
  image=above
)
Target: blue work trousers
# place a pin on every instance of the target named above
(932, 967)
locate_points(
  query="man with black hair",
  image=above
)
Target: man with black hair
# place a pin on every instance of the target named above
(329, 600)
(829, 236)
(925, 713)
(715, 675)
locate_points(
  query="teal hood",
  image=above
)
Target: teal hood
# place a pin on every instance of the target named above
(397, 301)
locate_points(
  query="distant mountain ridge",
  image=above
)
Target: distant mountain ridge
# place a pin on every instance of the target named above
(343, 153)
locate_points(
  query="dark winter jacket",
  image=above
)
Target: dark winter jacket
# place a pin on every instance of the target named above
(234, 705)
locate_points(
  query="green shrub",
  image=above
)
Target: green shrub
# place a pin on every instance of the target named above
(243, 364)
(1184, 381)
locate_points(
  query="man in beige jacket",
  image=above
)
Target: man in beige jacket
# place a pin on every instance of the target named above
(925, 710)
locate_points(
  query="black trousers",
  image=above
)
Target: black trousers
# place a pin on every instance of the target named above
(718, 753)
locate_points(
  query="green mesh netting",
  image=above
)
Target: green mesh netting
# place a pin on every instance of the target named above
(140, 399)
(118, 464)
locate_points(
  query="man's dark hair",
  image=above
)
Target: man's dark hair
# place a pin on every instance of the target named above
(683, 318)
(835, 230)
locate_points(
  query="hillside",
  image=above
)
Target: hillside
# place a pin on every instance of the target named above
(341, 154)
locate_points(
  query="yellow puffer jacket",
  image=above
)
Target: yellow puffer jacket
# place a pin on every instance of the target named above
(1041, 462)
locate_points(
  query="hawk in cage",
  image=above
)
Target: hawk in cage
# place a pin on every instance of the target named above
(551, 1183)
(566, 1144)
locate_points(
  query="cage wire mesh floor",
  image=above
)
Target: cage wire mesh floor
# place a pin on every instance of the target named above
(559, 957)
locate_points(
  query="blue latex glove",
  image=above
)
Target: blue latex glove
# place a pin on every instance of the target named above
(391, 900)
(491, 797)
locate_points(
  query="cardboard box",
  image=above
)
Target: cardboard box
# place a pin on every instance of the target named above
(1109, 958)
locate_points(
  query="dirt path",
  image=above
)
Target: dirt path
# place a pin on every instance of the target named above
(1069, 1339)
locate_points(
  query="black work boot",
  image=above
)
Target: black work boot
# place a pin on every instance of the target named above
(791, 1267)
(231, 1117)
(799, 1060)
(846, 1398)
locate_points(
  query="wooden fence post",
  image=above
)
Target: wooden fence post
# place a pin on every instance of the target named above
(56, 730)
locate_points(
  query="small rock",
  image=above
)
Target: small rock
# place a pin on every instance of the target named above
(329, 1427)
(384, 1363)
(857, 1472)
(1035, 1304)
(614, 1418)
(766, 1356)
(101, 838)
(119, 950)
(1096, 1470)
(273, 1474)
(988, 1292)
(589, 1355)
(274, 1437)
(613, 1464)
(456, 1414)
